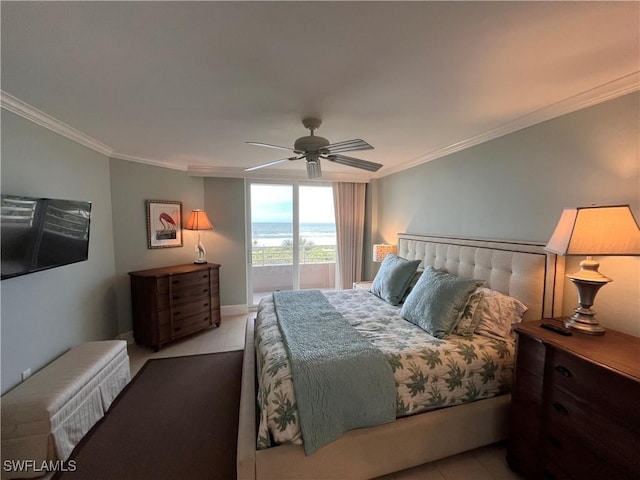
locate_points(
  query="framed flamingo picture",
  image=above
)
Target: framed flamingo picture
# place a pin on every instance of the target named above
(164, 224)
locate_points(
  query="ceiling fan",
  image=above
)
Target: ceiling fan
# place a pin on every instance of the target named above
(313, 148)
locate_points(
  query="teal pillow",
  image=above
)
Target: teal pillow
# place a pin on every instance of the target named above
(437, 301)
(393, 278)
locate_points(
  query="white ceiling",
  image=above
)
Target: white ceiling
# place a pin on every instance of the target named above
(187, 84)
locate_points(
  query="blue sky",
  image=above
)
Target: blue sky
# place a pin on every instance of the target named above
(273, 203)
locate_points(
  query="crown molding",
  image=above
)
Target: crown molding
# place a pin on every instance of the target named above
(26, 111)
(273, 174)
(602, 93)
(148, 161)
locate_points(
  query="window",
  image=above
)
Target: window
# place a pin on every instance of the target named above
(292, 237)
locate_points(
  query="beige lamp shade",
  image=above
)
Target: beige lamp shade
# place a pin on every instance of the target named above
(198, 220)
(381, 250)
(606, 230)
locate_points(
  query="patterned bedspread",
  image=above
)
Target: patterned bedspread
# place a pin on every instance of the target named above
(429, 373)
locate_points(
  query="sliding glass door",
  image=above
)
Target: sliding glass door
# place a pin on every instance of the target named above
(317, 237)
(292, 243)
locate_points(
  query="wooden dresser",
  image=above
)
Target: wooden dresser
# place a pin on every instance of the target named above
(575, 411)
(171, 302)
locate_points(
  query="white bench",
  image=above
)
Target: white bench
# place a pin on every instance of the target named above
(45, 417)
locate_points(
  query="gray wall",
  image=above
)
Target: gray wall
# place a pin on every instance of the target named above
(516, 186)
(131, 185)
(45, 313)
(225, 205)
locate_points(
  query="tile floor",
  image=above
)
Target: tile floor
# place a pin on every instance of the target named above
(486, 463)
(227, 337)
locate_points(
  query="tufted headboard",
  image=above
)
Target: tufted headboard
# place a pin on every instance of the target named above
(520, 269)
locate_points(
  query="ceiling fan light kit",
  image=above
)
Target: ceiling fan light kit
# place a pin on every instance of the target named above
(313, 148)
(313, 168)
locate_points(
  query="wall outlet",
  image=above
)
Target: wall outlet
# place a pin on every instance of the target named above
(26, 374)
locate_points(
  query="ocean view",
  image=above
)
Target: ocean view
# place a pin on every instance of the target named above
(274, 233)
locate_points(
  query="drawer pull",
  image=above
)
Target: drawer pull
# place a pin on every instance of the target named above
(205, 304)
(561, 409)
(177, 329)
(555, 442)
(177, 313)
(564, 370)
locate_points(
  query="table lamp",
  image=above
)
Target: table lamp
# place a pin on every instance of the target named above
(381, 250)
(595, 230)
(199, 221)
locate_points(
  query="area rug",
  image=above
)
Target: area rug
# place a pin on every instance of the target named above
(177, 419)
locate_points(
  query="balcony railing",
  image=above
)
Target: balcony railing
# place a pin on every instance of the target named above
(283, 255)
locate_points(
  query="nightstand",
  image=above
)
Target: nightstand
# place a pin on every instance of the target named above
(362, 286)
(574, 411)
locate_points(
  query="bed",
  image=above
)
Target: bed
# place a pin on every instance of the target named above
(521, 270)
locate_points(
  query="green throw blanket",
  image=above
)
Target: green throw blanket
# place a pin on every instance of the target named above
(340, 380)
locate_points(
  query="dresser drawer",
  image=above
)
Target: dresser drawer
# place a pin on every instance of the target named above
(188, 280)
(190, 295)
(560, 448)
(616, 395)
(576, 419)
(188, 309)
(191, 324)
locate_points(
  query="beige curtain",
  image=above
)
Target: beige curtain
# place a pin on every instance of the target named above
(349, 205)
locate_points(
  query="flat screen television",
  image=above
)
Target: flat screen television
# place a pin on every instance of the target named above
(42, 233)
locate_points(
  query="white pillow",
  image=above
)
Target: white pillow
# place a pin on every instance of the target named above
(498, 313)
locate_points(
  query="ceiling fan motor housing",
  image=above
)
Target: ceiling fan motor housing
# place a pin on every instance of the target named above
(310, 143)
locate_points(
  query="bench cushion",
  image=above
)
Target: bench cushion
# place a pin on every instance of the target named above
(44, 417)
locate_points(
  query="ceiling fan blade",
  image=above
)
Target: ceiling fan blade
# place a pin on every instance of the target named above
(260, 144)
(348, 146)
(268, 164)
(355, 162)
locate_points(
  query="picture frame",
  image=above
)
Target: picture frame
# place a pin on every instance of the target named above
(164, 224)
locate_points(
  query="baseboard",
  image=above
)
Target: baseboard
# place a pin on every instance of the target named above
(128, 336)
(230, 310)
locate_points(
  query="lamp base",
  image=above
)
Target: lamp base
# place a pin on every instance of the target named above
(583, 324)
(199, 249)
(587, 281)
